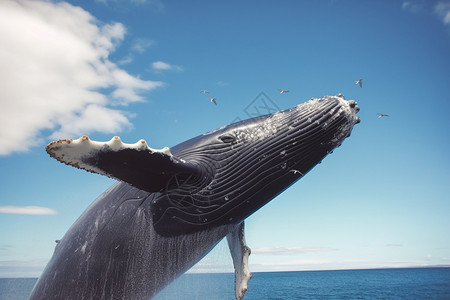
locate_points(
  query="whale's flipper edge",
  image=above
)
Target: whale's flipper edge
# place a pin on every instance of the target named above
(240, 253)
(137, 164)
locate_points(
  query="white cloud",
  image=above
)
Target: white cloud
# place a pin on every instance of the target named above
(27, 210)
(222, 83)
(409, 6)
(54, 65)
(442, 9)
(22, 269)
(141, 45)
(159, 65)
(291, 250)
(394, 245)
(331, 264)
(291, 265)
(92, 118)
(126, 60)
(155, 4)
(162, 66)
(414, 6)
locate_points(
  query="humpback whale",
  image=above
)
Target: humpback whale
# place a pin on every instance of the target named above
(170, 207)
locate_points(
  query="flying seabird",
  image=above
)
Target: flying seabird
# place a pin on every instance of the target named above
(213, 100)
(359, 82)
(283, 91)
(382, 115)
(204, 92)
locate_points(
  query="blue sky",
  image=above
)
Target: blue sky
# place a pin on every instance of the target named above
(135, 69)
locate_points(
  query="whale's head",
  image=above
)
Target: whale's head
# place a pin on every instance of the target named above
(244, 165)
(223, 176)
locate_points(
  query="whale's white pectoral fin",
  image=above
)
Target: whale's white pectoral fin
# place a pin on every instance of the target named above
(137, 164)
(240, 253)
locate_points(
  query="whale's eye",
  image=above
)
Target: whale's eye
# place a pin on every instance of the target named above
(227, 138)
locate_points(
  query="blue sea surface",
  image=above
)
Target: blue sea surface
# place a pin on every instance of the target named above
(417, 283)
(16, 288)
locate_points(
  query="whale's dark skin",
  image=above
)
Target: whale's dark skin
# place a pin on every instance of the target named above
(169, 209)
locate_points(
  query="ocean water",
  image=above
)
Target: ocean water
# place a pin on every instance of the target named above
(420, 283)
(16, 288)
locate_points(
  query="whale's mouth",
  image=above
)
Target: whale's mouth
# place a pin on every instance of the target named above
(354, 105)
(325, 121)
(347, 111)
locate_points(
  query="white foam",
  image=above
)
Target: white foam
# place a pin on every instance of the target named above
(260, 131)
(273, 124)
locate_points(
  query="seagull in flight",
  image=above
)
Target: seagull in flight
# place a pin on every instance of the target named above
(283, 91)
(213, 100)
(204, 92)
(359, 82)
(382, 115)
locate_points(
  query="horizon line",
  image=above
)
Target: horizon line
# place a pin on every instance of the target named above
(291, 271)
